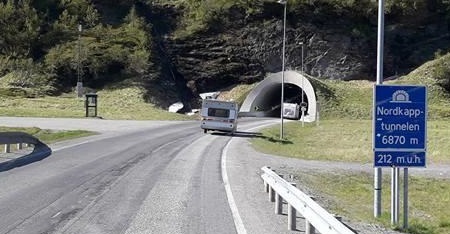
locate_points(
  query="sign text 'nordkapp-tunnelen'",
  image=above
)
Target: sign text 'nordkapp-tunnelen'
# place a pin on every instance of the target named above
(400, 125)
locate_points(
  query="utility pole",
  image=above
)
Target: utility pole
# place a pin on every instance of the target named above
(79, 77)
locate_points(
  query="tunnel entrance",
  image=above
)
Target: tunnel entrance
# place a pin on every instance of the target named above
(265, 99)
(271, 104)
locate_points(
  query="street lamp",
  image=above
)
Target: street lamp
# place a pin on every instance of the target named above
(284, 2)
(79, 80)
(303, 104)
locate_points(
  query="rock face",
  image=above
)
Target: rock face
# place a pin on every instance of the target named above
(244, 50)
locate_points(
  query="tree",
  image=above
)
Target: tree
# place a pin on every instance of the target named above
(19, 27)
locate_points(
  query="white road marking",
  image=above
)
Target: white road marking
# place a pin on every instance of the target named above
(234, 210)
(56, 215)
(240, 228)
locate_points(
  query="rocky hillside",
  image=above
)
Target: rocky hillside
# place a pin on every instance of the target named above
(176, 49)
(338, 44)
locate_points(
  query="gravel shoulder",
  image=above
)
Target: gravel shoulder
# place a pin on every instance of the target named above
(247, 187)
(244, 167)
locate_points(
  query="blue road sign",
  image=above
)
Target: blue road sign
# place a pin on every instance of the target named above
(400, 117)
(399, 159)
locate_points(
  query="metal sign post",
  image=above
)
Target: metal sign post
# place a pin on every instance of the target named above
(399, 126)
(377, 178)
(399, 140)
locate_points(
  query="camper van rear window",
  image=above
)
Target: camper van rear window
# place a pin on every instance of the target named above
(223, 113)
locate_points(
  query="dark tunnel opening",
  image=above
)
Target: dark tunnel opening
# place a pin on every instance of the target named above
(270, 100)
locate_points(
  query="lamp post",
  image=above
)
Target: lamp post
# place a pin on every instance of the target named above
(284, 2)
(79, 80)
(303, 106)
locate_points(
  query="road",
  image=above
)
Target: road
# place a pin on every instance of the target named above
(138, 177)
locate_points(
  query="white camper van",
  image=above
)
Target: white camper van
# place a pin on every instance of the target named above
(219, 115)
(291, 110)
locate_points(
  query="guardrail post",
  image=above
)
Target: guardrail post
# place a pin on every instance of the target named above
(266, 187)
(278, 202)
(271, 194)
(308, 208)
(309, 228)
(7, 148)
(292, 215)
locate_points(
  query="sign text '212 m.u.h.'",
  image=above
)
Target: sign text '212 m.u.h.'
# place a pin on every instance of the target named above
(399, 126)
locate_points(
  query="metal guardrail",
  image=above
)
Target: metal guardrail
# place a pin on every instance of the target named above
(317, 218)
(9, 138)
(39, 152)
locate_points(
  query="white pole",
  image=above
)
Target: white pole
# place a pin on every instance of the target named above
(397, 194)
(395, 200)
(79, 80)
(392, 195)
(317, 113)
(378, 171)
(282, 72)
(292, 215)
(303, 92)
(405, 198)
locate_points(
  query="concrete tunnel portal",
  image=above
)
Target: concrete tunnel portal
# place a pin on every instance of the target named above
(265, 99)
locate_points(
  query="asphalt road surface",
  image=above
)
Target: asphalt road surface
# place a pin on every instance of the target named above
(154, 177)
(138, 177)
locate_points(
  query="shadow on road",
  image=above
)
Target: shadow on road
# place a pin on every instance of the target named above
(40, 151)
(252, 135)
(239, 134)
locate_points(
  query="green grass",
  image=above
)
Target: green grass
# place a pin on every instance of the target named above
(344, 99)
(45, 135)
(351, 195)
(343, 140)
(345, 134)
(118, 103)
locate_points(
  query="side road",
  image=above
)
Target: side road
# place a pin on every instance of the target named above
(97, 125)
(106, 128)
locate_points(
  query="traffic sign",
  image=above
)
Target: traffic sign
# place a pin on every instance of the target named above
(399, 159)
(400, 114)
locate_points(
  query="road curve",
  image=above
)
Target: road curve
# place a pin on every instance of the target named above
(141, 177)
(152, 177)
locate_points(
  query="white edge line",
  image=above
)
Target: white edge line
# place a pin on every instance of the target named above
(240, 228)
(72, 145)
(234, 210)
(101, 136)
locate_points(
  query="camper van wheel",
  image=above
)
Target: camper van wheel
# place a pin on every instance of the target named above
(205, 130)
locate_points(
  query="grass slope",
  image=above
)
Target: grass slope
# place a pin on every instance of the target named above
(346, 135)
(113, 103)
